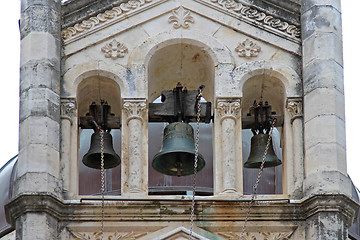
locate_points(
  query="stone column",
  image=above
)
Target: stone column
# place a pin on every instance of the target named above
(135, 166)
(228, 156)
(324, 121)
(68, 161)
(295, 110)
(39, 126)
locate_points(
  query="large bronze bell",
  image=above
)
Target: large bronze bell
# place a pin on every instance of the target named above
(178, 152)
(258, 145)
(92, 158)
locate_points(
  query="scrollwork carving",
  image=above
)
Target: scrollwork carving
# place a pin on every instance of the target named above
(181, 18)
(228, 107)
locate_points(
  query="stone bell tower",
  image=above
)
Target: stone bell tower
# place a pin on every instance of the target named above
(92, 64)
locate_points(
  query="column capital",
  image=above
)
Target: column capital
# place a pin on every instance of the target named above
(294, 106)
(68, 109)
(228, 108)
(135, 108)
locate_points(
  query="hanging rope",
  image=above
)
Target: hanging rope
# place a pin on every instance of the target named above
(257, 180)
(195, 160)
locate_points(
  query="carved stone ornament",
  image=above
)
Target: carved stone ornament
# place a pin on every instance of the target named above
(135, 109)
(114, 50)
(295, 108)
(101, 18)
(107, 236)
(248, 49)
(258, 16)
(181, 18)
(228, 107)
(257, 235)
(68, 107)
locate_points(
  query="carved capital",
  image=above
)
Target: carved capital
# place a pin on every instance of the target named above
(135, 109)
(294, 107)
(68, 108)
(228, 108)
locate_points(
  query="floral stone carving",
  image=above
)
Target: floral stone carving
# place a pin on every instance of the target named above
(114, 50)
(248, 49)
(107, 236)
(181, 18)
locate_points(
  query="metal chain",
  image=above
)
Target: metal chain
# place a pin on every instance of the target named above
(102, 169)
(195, 161)
(257, 180)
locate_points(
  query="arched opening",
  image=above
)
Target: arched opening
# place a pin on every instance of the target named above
(190, 65)
(264, 88)
(97, 89)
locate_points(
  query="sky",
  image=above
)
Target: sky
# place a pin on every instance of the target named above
(9, 91)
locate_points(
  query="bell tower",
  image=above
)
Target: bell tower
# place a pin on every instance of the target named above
(110, 106)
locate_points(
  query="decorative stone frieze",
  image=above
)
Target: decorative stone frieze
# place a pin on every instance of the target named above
(110, 236)
(295, 108)
(257, 235)
(181, 18)
(248, 48)
(114, 50)
(258, 16)
(101, 18)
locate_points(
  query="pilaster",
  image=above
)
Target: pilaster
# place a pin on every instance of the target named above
(228, 177)
(134, 156)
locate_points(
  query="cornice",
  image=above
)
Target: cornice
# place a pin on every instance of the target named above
(178, 209)
(244, 12)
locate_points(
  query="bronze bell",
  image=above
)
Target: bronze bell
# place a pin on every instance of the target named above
(258, 145)
(177, 155)
(92, 158)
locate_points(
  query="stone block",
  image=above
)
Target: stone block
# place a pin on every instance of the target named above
(323, 74)
(40, 18)
(40, 46)
(324, 129)
(308, 4)
(313, 48)
(324, 101)
(41, 102)
(321, 19)
(325, 157)
(39, 74)
(39, 130)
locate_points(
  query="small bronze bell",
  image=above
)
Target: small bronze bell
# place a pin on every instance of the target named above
(258, 145)
(92, 158)
(178, 152)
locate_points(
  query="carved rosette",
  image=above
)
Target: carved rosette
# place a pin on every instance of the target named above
(294, 107)
(228, 108)
(114, 50)
(68, 108)
(135, 109)
(257, 235)
(248, 49)
(181, 18)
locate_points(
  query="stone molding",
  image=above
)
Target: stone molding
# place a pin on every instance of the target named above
(257, 235)
(135, 109)
(68, 109)
(181, 18)
(248, 48)
(244, 12)
(114, 50)
(177, 210)
(228, 108)
(294, 107)
(107, 235)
